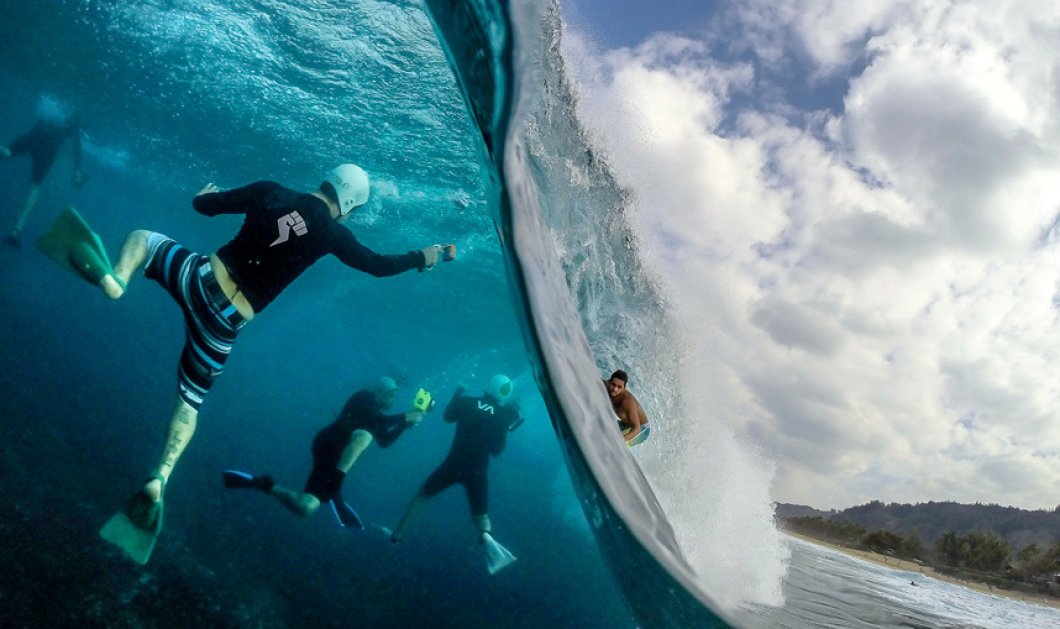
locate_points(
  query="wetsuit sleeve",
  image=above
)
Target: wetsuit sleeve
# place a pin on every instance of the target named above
(234, 201)
(353, 254)
(452, 410)
(389, 428)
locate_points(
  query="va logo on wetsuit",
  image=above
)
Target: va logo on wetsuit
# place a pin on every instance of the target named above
(485, 407)
(285, 223)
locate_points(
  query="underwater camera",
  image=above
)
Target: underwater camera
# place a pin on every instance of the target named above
(423, 401)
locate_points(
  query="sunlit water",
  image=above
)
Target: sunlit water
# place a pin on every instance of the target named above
(177, 94)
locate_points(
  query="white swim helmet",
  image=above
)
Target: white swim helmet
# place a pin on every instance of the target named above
(500, 387)
(351, 186)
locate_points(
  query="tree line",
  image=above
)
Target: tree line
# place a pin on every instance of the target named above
(983, 552)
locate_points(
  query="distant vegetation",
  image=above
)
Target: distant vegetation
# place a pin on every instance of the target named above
(1003, 546)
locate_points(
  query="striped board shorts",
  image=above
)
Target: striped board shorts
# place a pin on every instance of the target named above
(211, 321)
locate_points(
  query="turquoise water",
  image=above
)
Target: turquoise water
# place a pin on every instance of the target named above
(174, 95)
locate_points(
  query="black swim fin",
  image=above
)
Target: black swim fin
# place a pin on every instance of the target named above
(345, 514)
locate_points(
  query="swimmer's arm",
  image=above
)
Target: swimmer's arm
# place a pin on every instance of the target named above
(451, 410)
(212, 201)
(355, 255)
(395, 425)
(634, 417)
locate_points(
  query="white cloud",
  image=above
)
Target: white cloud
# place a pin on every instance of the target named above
(875, 284)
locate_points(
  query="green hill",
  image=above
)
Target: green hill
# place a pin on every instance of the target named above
(1019, 527)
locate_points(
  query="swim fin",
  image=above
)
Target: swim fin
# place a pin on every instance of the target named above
(135, 529)
(73, 244)
(345, 514)
(497, 556)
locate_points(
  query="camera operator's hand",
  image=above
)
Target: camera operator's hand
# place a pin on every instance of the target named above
(413, 418)
(430, 256)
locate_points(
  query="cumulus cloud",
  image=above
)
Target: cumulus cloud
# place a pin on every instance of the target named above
(878, 278)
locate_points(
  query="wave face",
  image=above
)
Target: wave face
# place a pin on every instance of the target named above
(714, 489)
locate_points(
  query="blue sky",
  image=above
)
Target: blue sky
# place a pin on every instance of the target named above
(858, 203)
(629, 23)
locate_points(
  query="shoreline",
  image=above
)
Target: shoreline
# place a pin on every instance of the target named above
(928, 571)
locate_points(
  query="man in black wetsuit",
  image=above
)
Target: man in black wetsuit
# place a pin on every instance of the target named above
(335, 449)
(482, 425)
(42, 144)
(283, 233)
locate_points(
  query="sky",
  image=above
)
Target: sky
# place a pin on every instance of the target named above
(856, 206)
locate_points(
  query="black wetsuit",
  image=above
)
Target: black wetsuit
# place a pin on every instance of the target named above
(285, 232)
(361, 412)
(42, 144)
(481, 430)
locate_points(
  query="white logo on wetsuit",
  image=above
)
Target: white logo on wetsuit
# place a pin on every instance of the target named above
(485, 407)
(285, 223)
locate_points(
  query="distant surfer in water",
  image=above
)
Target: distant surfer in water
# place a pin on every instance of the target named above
(283, 233)
(631, 418)
(335, 449)
(482, 427)
(42, 144)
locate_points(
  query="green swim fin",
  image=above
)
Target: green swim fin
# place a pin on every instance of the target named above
(135, 529)
(73, 244)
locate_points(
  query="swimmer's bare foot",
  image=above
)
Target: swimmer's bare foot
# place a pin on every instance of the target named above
(112, 286)
(153, 489)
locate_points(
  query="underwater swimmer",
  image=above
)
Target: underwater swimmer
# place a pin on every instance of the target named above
(283, 233)
(631, 418)
(482, 426)
(42, 144)
(335, 449)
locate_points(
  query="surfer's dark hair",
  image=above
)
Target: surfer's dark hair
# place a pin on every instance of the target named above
(621, 375)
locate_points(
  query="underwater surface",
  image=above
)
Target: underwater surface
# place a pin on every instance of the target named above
(172, 96)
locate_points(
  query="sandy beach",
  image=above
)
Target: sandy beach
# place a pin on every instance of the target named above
(927, 571)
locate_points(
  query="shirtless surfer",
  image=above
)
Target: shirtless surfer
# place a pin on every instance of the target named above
(631, 417)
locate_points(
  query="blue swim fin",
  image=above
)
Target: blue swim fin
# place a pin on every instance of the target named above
(345, 514)
(234, 479)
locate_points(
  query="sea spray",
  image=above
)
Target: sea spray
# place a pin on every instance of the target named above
(714, 488)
